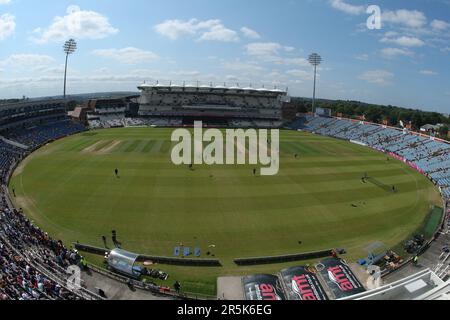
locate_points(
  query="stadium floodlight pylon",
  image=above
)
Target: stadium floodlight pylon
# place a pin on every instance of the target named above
(70, 46)
(315, 60)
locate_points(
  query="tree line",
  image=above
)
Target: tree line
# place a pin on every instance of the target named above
(377, 113)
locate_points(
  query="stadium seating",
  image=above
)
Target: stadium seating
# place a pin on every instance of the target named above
(39, 135)
(32, 265)
(19, 280)
(432, 157)
(230, 103)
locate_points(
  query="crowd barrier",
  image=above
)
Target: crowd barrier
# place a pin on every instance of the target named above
(285, 258)
(155, 259)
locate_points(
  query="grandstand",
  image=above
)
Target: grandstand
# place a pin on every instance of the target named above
(32, 264)
(179, 105)
(429, 156)
(109, 113)
(215, 105)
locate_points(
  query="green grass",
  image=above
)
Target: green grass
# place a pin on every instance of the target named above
(69, 189)
(433, 223)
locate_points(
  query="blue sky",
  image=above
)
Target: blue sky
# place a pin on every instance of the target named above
(257, 42)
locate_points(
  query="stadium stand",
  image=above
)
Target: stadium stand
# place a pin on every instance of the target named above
(36, 136)
(428, 156)
(179, 105)
(217, 105)
(25, 251)
(32, 265)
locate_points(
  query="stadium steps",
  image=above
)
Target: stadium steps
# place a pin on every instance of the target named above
(14, 143)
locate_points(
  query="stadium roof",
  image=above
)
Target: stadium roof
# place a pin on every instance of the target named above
(209, 87)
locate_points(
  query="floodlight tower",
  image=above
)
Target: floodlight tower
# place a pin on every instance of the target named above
(315, 60)
(69, 48)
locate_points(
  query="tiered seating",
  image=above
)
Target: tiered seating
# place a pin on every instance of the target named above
(39, 135)
(9, 155)
(32, 265)
(19, 280)
(430, 156)
(267, 124)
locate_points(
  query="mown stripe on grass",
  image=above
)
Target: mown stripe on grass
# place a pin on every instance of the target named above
(148, 146)
(166, 147)
(299, 148)
(141, 146)
(80, 145)
(132, 147)
(124, 146)
(102, 145)
(157, 146)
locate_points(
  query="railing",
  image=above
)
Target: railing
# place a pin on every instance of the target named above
(285, 258)
(153, 289)
(82, 293)
(157, 259)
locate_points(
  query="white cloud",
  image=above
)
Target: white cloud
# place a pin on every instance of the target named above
(404, 41)
(380, 77)
(7, 25)
(288, 48)
(77, 23)
(238, 65)
(302, 62)
(271, 52)
(249, 33)
(341, 5)
(190, 74)
(263, 49)
(440, 25)
(220, 33)
(5, 2)
(175, 29)
(390, 53)
(27, 60)
(209, 30)
(362, 57)
(391, 34)
(302, 74)
(231, 77)
(46, 69)
(407, 18)
(428, 73)
(127, 55)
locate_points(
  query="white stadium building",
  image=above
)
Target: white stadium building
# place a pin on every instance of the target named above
(213, 104)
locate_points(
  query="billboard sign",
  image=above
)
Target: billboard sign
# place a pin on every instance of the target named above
(302, 284)
(263, 287)
(339, 278)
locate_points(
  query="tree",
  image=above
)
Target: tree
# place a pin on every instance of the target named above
(417, 120)
(443, 131)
